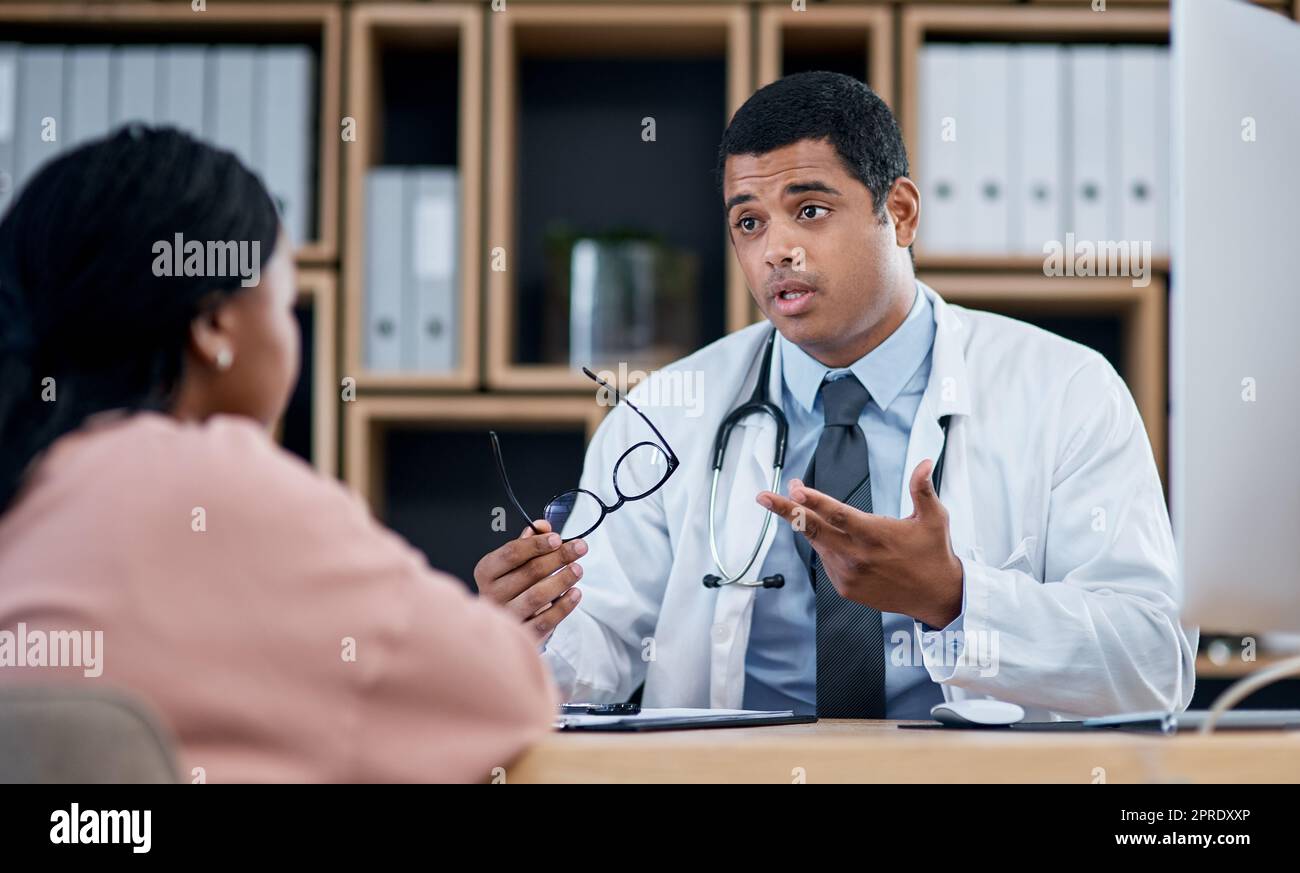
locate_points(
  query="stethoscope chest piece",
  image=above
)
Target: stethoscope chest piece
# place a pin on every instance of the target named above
(776, 580)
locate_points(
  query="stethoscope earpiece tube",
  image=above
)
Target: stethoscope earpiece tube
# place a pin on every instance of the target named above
(756, 405)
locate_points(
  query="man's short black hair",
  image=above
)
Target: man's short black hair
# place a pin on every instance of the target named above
(821, 105)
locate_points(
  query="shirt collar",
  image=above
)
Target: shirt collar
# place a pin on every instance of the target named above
(884, 371)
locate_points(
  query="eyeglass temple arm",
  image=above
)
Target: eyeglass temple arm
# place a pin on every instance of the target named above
(505, 481)
(622, 398)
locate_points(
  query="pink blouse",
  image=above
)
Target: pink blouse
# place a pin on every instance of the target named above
(279, 632)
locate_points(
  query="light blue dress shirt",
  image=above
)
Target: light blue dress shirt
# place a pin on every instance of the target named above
(781, 661)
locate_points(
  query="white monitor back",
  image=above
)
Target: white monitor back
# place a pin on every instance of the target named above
(1235, 315)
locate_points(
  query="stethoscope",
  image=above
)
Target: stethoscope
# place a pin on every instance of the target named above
(759, 404)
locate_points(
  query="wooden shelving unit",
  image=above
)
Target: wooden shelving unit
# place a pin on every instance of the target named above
(320, 24)
(578, 32)
(455, 29)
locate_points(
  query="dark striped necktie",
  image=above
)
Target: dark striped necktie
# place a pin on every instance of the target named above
(850, 636)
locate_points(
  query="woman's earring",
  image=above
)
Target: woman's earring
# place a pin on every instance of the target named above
(225, 357)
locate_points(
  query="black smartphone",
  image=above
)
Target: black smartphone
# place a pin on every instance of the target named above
(600, 708)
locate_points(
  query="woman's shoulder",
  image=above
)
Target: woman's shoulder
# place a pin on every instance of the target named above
(147, 474)
(223, 460)
(158, 439)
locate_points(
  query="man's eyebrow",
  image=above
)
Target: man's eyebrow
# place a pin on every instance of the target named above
(809, 187)
(790, 190)
(739, 199)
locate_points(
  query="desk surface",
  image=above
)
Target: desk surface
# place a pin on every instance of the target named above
(879, 751)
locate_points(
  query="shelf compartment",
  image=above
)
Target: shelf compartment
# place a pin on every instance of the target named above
(921, 23)
(319, 25)
(855, 40)
(548, 169)
(409, 69)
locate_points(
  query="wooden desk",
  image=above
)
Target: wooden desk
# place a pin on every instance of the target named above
(878, 751)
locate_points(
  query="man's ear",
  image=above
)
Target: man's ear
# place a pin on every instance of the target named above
(904, 206)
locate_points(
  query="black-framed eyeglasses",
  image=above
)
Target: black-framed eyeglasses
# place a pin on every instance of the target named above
(639, 472)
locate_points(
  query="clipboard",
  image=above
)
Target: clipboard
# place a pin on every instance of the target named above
(676, 720)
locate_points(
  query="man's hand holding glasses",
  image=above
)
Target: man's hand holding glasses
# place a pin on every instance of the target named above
(534, 576)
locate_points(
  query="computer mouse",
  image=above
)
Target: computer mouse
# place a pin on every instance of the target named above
(984, 713)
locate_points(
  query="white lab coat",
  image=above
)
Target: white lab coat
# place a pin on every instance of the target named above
(1055, 509)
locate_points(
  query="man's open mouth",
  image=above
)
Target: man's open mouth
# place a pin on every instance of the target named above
(791, 299)
(790, 291)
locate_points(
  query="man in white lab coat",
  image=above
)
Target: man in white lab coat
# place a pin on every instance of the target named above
(1043, 571)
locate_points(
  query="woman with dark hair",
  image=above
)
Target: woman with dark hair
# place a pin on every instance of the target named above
(147, 343)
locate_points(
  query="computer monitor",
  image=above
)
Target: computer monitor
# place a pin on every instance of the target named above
(1235, 315)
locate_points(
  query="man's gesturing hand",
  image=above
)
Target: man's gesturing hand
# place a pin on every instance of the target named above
(902, 565)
